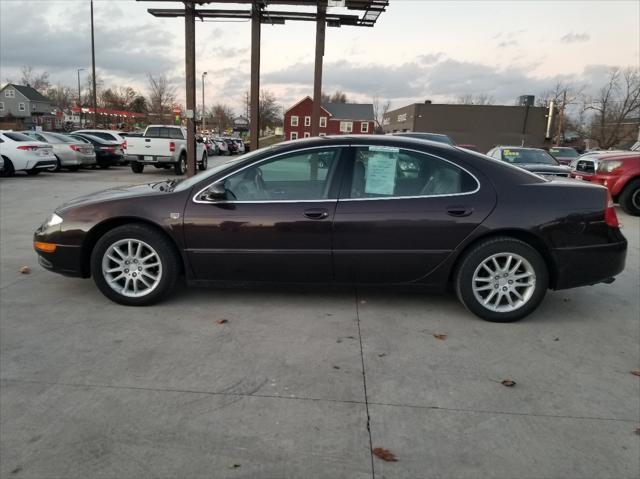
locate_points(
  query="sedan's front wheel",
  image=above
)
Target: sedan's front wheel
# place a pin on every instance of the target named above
(502, 279)
(134, 265)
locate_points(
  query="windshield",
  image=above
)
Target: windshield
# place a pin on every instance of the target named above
(188, 183)
(523, 156)
(563, 152)
(62, 138)
(18, 136)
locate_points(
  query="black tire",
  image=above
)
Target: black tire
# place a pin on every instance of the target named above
(58, 166)
(33, 172)
(472, 259)
(7, 169)
(137, 167)
(73, 168)
(203, 164)
(181, 166)
(159, 242)
(629, 199)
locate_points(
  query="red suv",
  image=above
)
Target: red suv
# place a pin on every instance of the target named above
(619, 172)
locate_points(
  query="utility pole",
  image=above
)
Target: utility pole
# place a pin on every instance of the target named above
(561, 119)
(79, 90)
(190, 73)
(93, 73)
(321, 26)
(256, 15)
(204, 114)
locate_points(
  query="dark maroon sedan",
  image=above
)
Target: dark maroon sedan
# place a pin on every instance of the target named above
(346, 209)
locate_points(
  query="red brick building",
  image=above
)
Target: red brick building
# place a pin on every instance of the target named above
(335, 119)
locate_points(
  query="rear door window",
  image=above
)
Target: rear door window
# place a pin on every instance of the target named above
(387, 172)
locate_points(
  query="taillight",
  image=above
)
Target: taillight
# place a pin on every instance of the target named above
(28, 147)
(124, 145)
(74, 147)
(172, 146)
(610, 216)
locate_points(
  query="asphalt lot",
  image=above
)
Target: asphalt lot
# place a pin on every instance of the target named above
(283, 389)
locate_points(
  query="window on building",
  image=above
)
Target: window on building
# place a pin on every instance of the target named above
(21, 107)
(323, 122)
(307, 121)
(346, 127)
(294, 135)
(1, 106)
(294, 121)
(10, 94)
(307, 134)
(364, 127)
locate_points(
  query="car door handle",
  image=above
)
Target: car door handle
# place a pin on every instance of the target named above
(459, 211)
(316, 214)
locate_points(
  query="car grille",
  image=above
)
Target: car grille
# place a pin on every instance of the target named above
(552, 173)
(586, 166)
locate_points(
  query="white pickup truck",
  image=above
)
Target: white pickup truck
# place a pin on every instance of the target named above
(163, 146)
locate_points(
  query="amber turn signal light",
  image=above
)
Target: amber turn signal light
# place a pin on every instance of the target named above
(45, 247)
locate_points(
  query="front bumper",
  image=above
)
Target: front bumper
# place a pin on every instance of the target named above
(609, 181)
(66, 260)
(587, 265)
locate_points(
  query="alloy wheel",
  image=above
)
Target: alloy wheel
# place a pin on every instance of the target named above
(132, 267)
(504, 282)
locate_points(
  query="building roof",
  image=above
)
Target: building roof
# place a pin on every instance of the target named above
(350, 111)
(28, 91)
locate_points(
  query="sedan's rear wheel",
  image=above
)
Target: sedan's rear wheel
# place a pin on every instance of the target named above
(7, 169)
(502, 279)
(134, 265)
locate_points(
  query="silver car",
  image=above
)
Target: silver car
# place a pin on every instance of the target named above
(71, 153)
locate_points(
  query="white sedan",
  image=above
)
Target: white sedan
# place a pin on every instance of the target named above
(21, 153)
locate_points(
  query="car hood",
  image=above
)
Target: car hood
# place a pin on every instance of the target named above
(118, 193)
(539, 167)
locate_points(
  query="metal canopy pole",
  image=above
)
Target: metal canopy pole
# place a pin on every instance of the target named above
(190, 73)
(255, 75)
(321, 26)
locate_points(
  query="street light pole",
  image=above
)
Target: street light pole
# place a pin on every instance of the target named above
(203, 109)
(93, 72)
(79, 91)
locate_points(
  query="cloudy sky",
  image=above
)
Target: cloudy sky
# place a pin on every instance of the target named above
(420, 49)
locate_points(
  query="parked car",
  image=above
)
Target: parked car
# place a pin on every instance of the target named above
(437, 137)
(619, 172)
(109, 135)
(240, 145)
(212, 147)
(108, 153)
(70, 153)
(223, 148)
(22, 153)
(564, 154)
(534, 160)
(498, 234)
(231, 145)
(163, 146)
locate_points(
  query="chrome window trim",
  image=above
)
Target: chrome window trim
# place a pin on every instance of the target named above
(327, 200)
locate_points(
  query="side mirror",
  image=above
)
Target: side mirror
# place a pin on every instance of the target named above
(215, 192)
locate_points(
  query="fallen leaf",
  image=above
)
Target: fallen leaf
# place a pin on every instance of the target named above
(557, 339)
(509, 383)
(16, 470)
(364, 301)
(382, 355)
(336, 367)
(385, 454)
(234, 466)
(636, 372)
(440, 336)
(222, 321)
(24, 270)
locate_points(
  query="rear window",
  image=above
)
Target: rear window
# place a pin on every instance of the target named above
(564, 152)
(522, 156)
(18, 136)
(62, 138)
(161, 132)
(104, 136)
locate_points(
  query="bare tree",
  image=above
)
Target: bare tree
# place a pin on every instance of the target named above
(61, 96)
(39, 81)
(88, 90)
(220, 117)
(118, 98)
(269, 110)
(470, 99)
(379, 112)
(617, 102)
(161, 95)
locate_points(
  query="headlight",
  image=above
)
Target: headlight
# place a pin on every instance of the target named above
(608, 166)
(53, 220)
